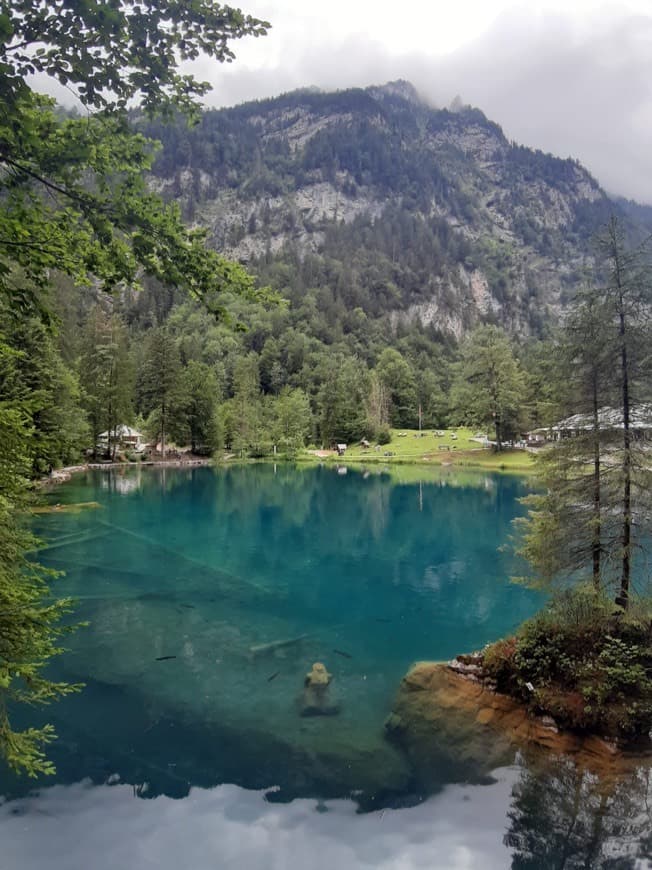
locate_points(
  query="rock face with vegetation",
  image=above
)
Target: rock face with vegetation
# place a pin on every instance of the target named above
(574, 680)
(583, 663)
(400, 209)
(451, 721)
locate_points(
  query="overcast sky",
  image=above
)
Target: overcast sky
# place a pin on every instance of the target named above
(573, 77)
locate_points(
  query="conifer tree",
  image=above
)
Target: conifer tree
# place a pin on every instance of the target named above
(106, 375)
(489, 386)
(626, 289)
(159, 383)
(73, 199)
(594, 511)
(30, 624)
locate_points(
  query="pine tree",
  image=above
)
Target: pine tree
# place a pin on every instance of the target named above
(106, 375)
(159, 383)
(626, 290)
(30, 624)
(595, 506)
(489, 385)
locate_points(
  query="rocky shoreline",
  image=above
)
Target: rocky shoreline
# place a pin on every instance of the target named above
(451, 711)
(61, 475)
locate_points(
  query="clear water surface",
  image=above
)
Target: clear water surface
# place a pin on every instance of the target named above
(209, 595)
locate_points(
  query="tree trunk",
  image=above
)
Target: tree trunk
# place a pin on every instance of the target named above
(623, 597)
(162, 431)
(499, 433)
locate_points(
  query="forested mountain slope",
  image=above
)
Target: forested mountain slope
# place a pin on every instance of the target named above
(388, 205)
(390, 228)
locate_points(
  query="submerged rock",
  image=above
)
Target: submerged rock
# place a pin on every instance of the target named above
(316, 699)
(394, 726)
(318, 676)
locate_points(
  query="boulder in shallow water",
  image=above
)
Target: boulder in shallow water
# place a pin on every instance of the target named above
(318, 676)
(316, 699)
(394, 726)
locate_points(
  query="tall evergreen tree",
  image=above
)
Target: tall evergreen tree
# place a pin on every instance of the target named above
(489, 385)
(30, 622)
(246, 410)
(45, 385)
(342, 400)
(627, 294)
(570, 524)
(158, 383)
(196, 417)
(106, 375)
(396, 375)
(595, 508)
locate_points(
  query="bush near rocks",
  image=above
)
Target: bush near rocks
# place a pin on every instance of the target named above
(583, 662)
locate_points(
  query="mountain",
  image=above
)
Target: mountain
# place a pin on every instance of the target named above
(388, 206)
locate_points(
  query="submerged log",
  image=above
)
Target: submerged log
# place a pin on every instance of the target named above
(228, 584)
(261, 649)
(75, 508)
(69, 541)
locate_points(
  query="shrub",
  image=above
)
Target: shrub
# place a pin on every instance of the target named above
(498, 662)
(588, 664)
(383, 435)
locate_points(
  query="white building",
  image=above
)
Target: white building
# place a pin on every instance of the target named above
(640, 423)
(125, 436)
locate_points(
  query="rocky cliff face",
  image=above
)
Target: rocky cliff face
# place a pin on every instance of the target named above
(458, 224)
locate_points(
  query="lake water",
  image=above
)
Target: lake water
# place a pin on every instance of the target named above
(209, 595)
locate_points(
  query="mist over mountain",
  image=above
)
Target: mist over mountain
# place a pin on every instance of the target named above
(401, 210)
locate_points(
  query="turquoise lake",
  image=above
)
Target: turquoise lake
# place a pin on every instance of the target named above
(209, 595)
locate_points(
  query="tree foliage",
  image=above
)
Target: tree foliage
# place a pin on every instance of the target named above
(105, 374)
(115, 53)
(31, 627)
(592, 516)
(72, 189)
(489, 386)
(74, 202)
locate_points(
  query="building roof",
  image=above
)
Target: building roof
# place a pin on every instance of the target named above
(121, 431)
(608, 418)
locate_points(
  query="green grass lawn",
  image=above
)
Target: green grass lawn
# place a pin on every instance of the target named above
(451, 447)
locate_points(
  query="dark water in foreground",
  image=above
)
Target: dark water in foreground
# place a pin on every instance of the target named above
(209, 596)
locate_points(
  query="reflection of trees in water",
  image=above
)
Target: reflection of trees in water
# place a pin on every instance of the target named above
(296, 522)
(566, 818)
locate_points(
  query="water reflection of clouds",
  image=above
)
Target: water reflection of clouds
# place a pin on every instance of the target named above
(81, 826)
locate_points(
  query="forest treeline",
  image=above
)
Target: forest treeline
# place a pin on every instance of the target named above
(291, 375)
